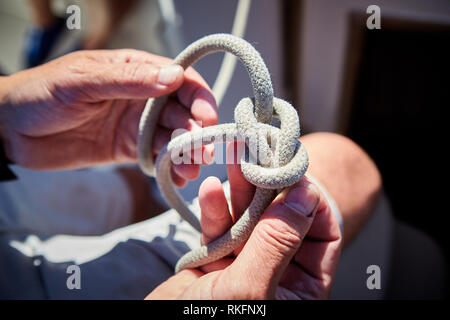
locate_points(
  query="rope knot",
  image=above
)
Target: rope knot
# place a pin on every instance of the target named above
(276, 157)
(266, 169)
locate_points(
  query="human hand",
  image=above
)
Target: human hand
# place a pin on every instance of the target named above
(292, 253)
(84, 108)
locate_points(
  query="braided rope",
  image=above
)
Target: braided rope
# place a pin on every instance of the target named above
(268, 171)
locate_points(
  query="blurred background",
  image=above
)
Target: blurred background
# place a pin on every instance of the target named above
(386, 89)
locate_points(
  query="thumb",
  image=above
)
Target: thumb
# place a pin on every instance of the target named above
(133, 80)
(276, 238)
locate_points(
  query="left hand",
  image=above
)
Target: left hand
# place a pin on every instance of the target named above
(83, 109)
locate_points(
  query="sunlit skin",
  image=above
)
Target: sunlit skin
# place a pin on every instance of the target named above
(288, 255)
(83, 109)
(351, 178)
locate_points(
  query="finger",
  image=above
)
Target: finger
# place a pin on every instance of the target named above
(177, 179)
(314, 265)
(196, 95)
(311, 274)
(172, 287)
(241, 191)
(205, 154)
(318, 256)
(202, 155)
(161, 138)
(215, 217)
(318, 261)
(175, 116)
(208, 152)
(187, 171)
(133, 80)
(276, 239)
(325, 226)
(131, 55)
(127, 129)
(298, 284)
(179, 172)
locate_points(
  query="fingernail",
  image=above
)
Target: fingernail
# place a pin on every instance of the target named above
(303, 198)
(208, 154)
(168, 74)
(194, 125)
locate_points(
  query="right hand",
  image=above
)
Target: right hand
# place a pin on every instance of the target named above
(292, 253)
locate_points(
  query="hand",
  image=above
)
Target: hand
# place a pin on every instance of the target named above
(292, 253)
(84, 108)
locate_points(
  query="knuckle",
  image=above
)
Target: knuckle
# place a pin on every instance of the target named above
(196, 93)
(135, 75)
(278, 235)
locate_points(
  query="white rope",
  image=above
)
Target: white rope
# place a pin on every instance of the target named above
(280, 169)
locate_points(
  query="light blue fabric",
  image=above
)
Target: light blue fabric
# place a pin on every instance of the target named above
(126, 263)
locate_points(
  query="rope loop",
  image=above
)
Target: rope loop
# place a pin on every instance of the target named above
(276, 157)
(251, 59)
(266, 168)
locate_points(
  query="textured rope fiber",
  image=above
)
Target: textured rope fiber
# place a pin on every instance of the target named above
(269, 170)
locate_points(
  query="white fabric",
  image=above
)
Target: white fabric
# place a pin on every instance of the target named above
(126, 263)
(84, 202)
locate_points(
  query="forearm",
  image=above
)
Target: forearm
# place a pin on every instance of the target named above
(349, 175)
